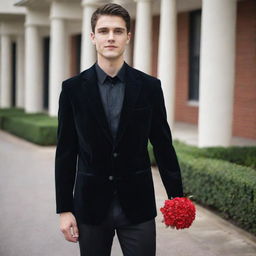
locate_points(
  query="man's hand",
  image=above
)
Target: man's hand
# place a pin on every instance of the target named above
(68, 226)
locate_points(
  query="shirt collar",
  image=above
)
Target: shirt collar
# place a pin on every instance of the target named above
(101, 75)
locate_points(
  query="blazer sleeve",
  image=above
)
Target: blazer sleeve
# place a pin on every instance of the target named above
(161, 140)
(66, 154)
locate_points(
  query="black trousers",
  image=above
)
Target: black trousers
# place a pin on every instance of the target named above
(135, 240)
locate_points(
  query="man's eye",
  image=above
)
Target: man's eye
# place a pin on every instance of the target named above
(119, 31)
(103, 31)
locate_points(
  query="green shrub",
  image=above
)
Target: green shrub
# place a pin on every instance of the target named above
(227, 187)
(151, 154)
(37, 128)
(240, 155)
(7, 112)
(235, 154)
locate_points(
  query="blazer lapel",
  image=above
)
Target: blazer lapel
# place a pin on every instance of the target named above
(94, 100)
(132, 89)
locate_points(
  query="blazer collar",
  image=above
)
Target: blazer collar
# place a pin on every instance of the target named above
(101, 75)
(132, 89)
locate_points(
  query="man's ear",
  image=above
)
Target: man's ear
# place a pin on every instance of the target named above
(92, 35)
(128, 37)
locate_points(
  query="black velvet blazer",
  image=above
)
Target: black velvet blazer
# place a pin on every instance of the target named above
(89, 165)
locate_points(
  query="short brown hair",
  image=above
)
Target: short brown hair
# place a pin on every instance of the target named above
(111, 9)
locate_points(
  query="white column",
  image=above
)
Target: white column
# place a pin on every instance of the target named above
(88, 52)
(20, 72)
(167, 55)
(58, 62)
(128, 54)
(6, 79)
(33, 70)
(217, 65)
(143, 36)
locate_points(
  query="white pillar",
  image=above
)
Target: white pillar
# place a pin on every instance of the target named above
(6, 76)
(167, 55)
(20, 72)
(58, 62)
(88, 52)
(143, 36)
(217, 65)
(33, 70)
(128, 54)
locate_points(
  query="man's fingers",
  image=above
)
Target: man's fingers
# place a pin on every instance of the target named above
(75, 230)
(68, 226)
(68, 235)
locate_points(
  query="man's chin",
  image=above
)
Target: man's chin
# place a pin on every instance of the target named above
(111, 56)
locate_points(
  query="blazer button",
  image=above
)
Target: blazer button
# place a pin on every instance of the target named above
(115, 154)
(111, 177)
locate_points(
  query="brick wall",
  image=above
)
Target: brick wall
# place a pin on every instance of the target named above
(73, 57)
(155, 43)
(244, 116)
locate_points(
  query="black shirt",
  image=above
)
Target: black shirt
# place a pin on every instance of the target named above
(112, 95)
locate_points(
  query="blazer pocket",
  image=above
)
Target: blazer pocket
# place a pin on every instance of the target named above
(141, 109)
(140, 113)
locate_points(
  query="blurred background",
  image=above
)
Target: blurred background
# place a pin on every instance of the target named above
(204, 52)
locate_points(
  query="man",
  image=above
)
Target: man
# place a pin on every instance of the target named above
(106, 115)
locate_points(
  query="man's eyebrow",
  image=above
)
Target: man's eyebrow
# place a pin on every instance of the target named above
(121, 28)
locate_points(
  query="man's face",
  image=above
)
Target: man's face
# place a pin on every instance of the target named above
(110, 36)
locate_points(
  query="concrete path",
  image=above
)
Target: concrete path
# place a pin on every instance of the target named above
(188, 133)
(30, 227)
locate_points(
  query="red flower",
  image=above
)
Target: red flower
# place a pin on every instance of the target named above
(178, 212)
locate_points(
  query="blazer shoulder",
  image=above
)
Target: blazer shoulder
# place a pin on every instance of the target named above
(71, 82)
(76, 80)
(145, 76)
(151, 83)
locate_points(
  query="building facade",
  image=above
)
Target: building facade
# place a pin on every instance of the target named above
(204, 52)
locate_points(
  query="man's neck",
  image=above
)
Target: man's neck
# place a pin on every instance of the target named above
(110, 67)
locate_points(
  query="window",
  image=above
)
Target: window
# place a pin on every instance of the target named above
(46, 52)
(14, 58)
(194, 54)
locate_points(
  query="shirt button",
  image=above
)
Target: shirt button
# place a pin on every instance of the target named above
(110, 177)
(115, 154)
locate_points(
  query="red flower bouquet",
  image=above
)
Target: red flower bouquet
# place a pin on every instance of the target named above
(178, 212)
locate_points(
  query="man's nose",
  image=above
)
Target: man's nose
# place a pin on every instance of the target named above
(111, 36)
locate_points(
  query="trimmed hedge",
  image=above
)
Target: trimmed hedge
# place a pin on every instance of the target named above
(227, 187)
(7, 112)
(151, 154)
(245, 156)
(37, 128)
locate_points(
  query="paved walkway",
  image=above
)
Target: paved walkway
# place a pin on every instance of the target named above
(30, 227)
